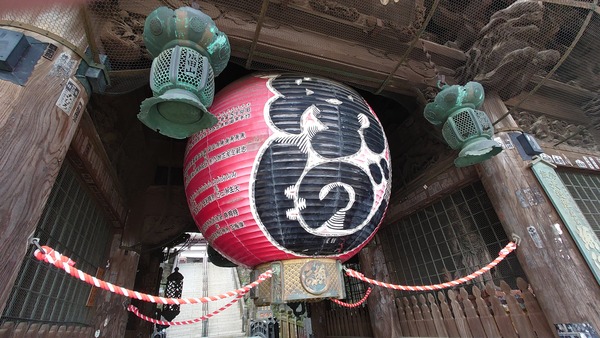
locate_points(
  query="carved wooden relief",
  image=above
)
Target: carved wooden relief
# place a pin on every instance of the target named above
(507, 54)
(551, 130)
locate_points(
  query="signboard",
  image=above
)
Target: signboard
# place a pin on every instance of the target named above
(578, 226)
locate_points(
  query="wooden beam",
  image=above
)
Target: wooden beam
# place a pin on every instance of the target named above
(284, 45)
(37, 123)
(438, 181)
(552, 106)
(561, 279)
(89, 157)
(564, 156)
(575, 3)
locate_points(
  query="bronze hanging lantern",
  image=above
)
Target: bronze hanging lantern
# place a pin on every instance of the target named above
(464, 127)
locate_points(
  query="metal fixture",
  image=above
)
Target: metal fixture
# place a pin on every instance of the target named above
(463, 126)
(189, 51)
(174, 290)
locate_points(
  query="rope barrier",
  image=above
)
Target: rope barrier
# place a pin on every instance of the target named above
(510, 247)
(49, 255)
(136, 312)
(353, 305)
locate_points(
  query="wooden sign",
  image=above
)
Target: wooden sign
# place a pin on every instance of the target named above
(574, 220)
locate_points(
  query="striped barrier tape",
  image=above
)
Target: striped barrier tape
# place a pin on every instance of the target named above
(136, 312)
(49, 255)
(353, 305)
(510, 247)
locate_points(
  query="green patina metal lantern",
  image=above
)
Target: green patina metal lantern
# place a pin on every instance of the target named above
(463, 126)
(189, 51)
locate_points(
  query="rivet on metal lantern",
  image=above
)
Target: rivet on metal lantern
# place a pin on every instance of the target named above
(463, 126)
(189, 52)
(294, 176)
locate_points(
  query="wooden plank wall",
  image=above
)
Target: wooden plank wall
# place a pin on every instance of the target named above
(36, 128)
(496, 311)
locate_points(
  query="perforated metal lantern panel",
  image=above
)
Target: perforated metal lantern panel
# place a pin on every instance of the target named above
(189, 52)
(471, 131)
(183, 68)
(182, 81)
(187, 27)
(466, 125)
(463, 126)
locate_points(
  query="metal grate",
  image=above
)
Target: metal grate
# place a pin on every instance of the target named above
(355, 288)
(74, 224)
(585, 189)
(447, 240)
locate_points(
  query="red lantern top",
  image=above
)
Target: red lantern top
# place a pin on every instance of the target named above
(297, 166)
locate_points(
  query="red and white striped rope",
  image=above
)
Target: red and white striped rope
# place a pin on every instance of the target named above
(503, 253)
(136, 312)
(354, 304)
(53, 257)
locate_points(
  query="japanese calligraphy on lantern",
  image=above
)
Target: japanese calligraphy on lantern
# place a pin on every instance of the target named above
(296, 166)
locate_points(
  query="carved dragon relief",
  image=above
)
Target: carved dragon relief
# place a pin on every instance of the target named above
(553, 131)
(508, 51)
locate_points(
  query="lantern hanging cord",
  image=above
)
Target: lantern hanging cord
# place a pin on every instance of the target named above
(510, 247)
(136, 312)
(49, 255)
(353, 305)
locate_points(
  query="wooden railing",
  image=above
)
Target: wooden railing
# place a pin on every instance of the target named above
(25, 329)
(290, 326)
(345, 322)
(496, 312)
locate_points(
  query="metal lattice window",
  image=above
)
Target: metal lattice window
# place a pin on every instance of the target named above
(585, 189)
(74, 224)
(355, 288)
(447, 240)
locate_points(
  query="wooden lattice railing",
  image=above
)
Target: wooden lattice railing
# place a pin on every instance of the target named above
(496, 312)
(25, 329)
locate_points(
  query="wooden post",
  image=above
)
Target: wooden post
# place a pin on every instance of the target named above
(383, 313)
(36, 128)
(562, 281)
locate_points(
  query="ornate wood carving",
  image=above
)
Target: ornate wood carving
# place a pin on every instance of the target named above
(592, 109)
(459, 22)
(506, 55)
(548, 129)
(334, 9)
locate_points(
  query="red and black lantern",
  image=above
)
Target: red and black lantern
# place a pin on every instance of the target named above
(296, 167)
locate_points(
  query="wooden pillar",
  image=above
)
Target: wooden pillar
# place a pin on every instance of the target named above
(561, 279)
(382, 307)
(36, 128)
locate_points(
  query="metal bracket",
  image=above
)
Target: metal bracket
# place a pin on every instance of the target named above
(94, 76)
(516, 239)
(36, 241)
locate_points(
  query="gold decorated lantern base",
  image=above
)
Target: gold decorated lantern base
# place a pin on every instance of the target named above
(297, 280)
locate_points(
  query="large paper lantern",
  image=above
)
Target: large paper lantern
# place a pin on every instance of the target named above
(296, 167)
